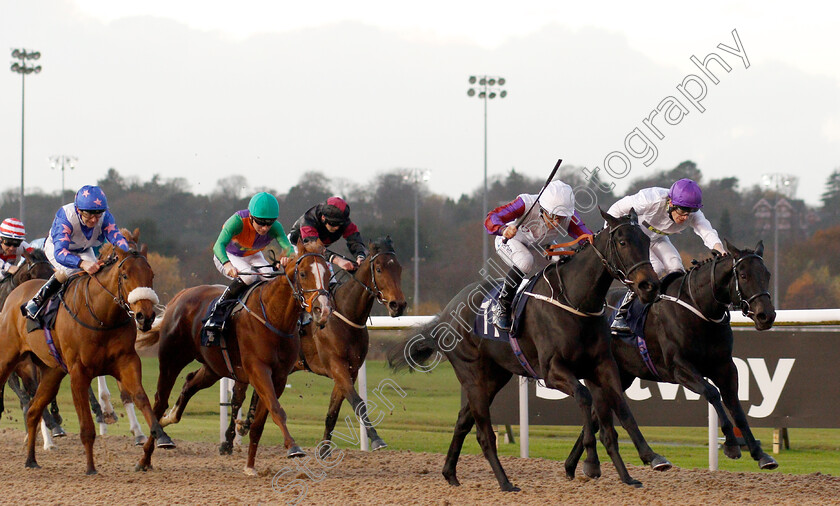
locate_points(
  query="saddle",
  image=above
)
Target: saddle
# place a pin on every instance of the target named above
(483, 325)
(228, 309)
(46, 318)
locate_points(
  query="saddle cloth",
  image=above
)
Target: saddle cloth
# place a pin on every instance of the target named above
(228, 309)
(484, 327)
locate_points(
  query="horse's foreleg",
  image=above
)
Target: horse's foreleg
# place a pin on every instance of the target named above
(561, 378)
(168, 370)
(46, 433)
(609, 437)
(479, 401)
(109, 416)
(727, 381)
(127, 371)
(197, 380)
(94, 406)
(87, 431)
(463, 426)
(608, 380)
(269, 391)
(257, 426)
(345, 390)
(47, 389)
(133, 424)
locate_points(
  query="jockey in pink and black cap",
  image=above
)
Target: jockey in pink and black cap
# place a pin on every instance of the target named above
(330, 221)
(79, 228)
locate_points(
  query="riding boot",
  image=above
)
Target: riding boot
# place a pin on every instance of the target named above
(619, 324)
(215, 322)
(503, 319)
(34, 306)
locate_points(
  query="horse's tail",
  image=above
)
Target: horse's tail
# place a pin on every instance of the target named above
(150, 337)
(416, 351)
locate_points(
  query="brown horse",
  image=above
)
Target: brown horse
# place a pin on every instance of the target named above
(94, 334)
(24, 380)
(338, 349)
(260, 345)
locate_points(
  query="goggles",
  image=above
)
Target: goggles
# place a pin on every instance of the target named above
(684, 211)
(93, 212)
(12, 242)
(264, 222)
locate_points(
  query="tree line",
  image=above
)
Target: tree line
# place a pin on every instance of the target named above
(180, 227)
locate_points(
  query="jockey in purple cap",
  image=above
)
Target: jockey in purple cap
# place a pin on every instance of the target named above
(77, 229)
(663, 212)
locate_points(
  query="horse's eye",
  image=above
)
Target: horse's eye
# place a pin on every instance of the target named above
(622, 243)
(378, 269)
(124, 276)
(743, 276)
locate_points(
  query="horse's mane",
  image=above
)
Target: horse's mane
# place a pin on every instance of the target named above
(132, 238)
(383, 245)
(38, 255)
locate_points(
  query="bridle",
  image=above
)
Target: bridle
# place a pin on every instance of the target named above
(745, 305)
(306, 302)
(619, 271)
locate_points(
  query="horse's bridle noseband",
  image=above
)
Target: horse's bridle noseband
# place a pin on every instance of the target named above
(299, 293)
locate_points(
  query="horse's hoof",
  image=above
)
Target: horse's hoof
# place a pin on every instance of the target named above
(570, 472)
(592, 470)
(242, 428)
(164, 441)
(31, 464)
(91, 472)
(732, 451)
(58, 432)
(226, 448)
(140, 440)
(143, 467)
(767, 462)
(452, 479)
(109, 418)
(295, 451)
(50, 448)
(634, 483)
(324, 452)
(660, 463)
(510, 487)
(250, 471)
(377, 444)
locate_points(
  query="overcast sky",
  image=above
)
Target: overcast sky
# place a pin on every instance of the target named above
(267, 89)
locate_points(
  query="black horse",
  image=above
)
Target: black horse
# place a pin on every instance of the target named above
(562, 346)
(691, 340)
(24, 381)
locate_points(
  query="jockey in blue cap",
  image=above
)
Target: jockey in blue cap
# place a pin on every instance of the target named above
(77, 229)
(663, 212)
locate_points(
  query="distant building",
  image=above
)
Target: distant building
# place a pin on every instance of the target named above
(796, 221)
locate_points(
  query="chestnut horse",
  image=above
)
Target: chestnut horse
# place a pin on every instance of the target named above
(260, 344)
(94, 334)
(338, 349)
(24, 380)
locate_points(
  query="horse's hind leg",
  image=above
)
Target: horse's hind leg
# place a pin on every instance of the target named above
(50, 381)
(727, 382)
(94, 406)
(257, 426)
(109, 416)
(24, 396)
(196, 381)
(236, 399)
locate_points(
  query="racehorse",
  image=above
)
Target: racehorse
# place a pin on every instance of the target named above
(94, 334)
(260, 347)
(690, 340)
(338, 349)
(24, 380)
(561, 344)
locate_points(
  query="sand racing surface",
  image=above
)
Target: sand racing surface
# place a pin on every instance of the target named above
(195, 473)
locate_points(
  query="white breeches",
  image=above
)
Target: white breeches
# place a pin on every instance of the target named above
(664, 257)
(515, 253)
(63, 272)
(251, 263)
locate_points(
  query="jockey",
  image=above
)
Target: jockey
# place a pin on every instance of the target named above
(239, 248)
(12, 245)
(330, 221)
(663, 212)
(545, 224)
(77, 229)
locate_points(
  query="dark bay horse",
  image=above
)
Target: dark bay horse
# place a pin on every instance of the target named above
(339, 349)
(24, 380)
(263, 343)
(686, 347)
(94, 334)
(563, 345)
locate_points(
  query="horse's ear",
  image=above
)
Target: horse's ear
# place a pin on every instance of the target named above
(735, 252)
(136, 234)
(26, 255)
(759, 248)
(144, 250)
(611, 221)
